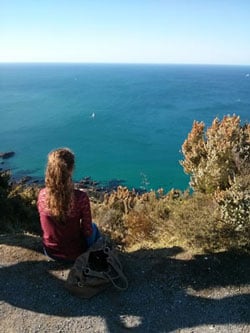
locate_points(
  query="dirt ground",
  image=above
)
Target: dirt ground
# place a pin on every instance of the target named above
(169, 291)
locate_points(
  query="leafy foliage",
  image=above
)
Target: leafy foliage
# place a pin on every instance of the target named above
(213, 158)
(158, 219)
(235, 212)
(218, 162)
(18, 206)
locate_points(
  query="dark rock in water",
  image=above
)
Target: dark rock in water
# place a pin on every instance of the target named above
(114, 183)
(25, 179)
(7, 154)
(87, 182)
(92, 187)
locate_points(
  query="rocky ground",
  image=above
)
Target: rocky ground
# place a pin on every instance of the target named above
(169, 291)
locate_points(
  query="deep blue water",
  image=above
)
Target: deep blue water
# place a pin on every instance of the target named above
(143, 113)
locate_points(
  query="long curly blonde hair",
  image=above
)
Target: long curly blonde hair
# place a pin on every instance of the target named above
(58, 182)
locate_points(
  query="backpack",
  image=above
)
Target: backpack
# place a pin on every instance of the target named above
(95, 270)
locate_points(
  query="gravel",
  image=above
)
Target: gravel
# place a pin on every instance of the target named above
(169, 291)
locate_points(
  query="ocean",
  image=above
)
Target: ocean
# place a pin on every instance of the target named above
(125, 122)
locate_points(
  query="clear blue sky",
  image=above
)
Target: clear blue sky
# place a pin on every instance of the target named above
(130, 31)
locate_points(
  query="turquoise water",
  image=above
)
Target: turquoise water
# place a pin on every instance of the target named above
(142, 115)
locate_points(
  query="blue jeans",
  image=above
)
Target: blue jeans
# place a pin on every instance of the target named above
(95, 235)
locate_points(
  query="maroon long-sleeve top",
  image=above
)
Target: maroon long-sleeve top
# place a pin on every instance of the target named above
(66, 241)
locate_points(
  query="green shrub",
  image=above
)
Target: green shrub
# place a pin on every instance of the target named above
(213, 158)
(218, 162)
(235, 212)
(194, 222)
(18, 206)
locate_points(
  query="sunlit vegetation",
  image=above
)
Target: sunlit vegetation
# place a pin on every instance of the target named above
(17, 206)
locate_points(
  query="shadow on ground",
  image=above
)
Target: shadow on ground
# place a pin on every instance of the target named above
(166, 291)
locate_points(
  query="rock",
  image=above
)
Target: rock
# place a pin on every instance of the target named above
(25, 180)
(7, 154)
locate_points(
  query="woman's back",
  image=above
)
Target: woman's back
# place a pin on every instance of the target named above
(66, 239)
(65, 214)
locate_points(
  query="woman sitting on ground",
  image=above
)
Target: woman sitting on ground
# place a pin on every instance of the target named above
(65, 214)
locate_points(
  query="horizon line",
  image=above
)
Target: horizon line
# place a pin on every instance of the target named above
(116, 63)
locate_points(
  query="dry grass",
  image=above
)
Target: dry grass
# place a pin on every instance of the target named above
(192, 221)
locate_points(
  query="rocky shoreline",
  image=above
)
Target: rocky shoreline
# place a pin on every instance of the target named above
(94, 188)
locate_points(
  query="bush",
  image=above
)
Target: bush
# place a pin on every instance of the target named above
(18, 206)
(214, 158)
(130, 217)
(235, 212)
(4, 191)
(194, 222)
(218, 162)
